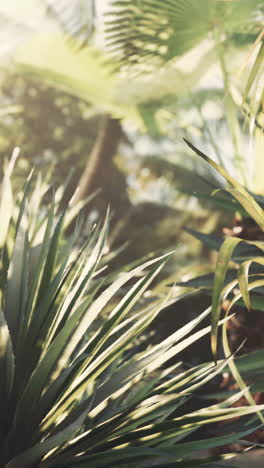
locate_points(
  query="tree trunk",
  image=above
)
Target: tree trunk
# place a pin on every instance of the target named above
(100, 161)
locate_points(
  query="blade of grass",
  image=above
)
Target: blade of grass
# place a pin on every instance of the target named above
(232, 364)
(243, 278)
(246, 200)
(6, 202)
(222, 264)
(7, 367)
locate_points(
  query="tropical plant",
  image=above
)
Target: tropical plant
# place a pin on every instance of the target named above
(182, 26)
(238, 20)
(133, 34)
(145, 35)
(75, 388)
(238, 277)
(159, 103)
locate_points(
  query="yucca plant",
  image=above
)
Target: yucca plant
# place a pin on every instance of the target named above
(75, 391)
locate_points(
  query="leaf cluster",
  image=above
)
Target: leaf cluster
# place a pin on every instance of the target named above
(71, 394)
(155, 29)
(238, 276)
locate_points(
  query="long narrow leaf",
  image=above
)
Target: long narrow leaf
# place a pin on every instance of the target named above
(224, 256)
(246, 200)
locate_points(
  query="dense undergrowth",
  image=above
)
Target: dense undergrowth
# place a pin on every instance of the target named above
(76, 389)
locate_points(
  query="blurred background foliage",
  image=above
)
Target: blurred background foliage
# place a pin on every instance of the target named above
(101, 94)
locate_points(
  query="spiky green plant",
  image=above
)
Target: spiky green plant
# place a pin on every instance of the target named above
(238, 276)
(249, 253)
(74, 389)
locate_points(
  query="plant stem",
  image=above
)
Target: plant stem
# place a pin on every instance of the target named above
(101, 158)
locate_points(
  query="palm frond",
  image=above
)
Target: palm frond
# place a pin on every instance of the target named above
(155, 29)
(143, 29)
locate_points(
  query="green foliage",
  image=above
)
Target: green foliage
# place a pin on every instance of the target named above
(75, 391)
(163, 29)
(53, 129)
(243, 283)
(227, 248)
(156, 103)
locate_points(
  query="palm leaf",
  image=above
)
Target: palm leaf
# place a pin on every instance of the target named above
(155, 29)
